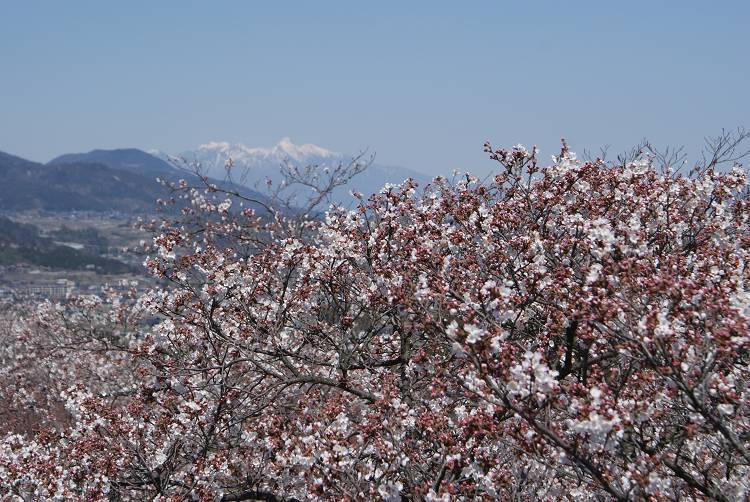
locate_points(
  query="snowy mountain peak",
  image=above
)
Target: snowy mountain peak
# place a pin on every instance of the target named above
(283, 150)
(252, 166)
(299, 152)
(215, 145)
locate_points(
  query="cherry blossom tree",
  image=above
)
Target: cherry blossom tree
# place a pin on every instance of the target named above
(577, 331)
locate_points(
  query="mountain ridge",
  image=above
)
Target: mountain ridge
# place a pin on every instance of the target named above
(124, 179)
(86, 185)
(29, 185)
(254, 165)
(127, 159)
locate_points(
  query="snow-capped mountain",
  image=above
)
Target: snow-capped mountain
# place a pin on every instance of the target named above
(252, 166)
(214, 155)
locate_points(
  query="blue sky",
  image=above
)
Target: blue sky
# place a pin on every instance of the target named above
(423, 84)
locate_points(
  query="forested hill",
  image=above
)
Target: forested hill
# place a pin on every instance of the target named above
(127, 186)
(125, 159)
(22, 243)
(27, 185)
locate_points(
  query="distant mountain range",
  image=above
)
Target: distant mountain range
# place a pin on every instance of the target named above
(126, 159)
(80, 186)
(124, 180)
(107, 181)
(252, 166)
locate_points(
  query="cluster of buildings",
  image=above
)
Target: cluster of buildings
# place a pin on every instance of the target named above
(58, 289)
(22, 281)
